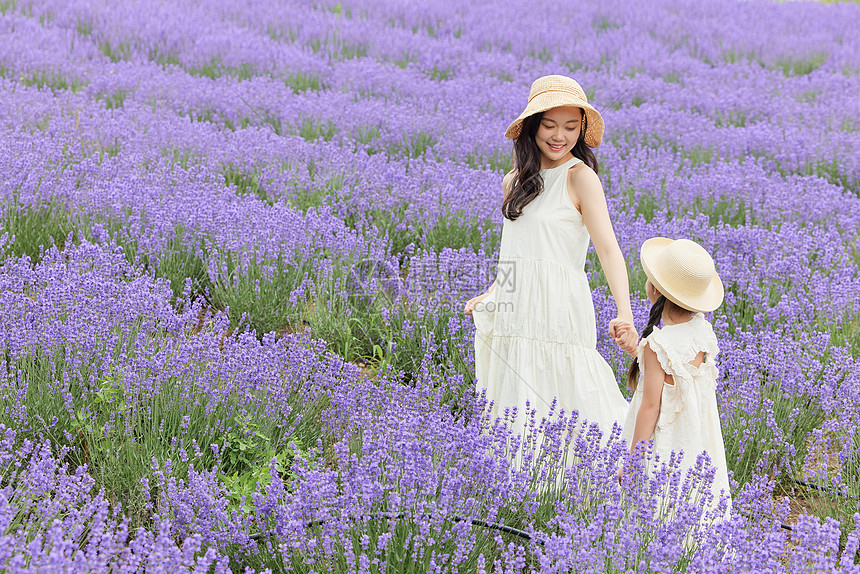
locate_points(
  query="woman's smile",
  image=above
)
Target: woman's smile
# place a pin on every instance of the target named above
(557, 134)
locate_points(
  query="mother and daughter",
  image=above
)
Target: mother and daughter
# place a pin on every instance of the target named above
(535, 334)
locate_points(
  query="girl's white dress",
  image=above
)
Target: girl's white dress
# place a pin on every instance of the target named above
(535, 334)
(689, 420)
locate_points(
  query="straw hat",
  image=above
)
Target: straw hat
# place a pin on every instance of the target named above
(682, 271)
(553, 92)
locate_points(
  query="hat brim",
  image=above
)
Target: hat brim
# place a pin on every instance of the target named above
(549, 100)
(702, 303)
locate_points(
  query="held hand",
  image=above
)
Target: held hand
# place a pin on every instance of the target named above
(617, 327)
(631, 342)
(625, 336)
(473, 302)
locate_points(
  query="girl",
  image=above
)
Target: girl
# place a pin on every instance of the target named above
(535, 335)
(675, 402)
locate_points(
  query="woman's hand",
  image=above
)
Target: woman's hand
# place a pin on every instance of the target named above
(473, 302)
(624, 334)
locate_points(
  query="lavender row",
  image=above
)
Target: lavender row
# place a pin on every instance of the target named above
(764, 122)
(358, 184)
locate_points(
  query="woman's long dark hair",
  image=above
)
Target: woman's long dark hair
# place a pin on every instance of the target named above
(528, 182)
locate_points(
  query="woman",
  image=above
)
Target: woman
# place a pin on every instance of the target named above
(535, 337)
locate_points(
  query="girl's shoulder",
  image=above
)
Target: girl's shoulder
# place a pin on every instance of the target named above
(697, 324)
(703, 332)
(681, 339)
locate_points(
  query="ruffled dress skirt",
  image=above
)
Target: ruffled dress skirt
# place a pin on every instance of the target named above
(536, 346)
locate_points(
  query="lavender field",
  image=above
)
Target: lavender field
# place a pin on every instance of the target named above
(236, 239)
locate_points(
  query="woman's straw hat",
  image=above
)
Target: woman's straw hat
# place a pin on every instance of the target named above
(682, 271)
(553, 92)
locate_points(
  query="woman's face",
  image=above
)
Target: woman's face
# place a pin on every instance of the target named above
(557, 134)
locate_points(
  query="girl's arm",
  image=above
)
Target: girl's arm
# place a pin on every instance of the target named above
(587, 195)
(652, 395)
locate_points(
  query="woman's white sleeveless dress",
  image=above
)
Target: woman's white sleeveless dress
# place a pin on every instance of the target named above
(689, 420)
(535, 333)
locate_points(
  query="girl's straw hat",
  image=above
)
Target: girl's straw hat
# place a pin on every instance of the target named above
(682, 271)
(556, 91)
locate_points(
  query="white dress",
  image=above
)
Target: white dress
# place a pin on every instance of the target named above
(689, 420)
(535, 334)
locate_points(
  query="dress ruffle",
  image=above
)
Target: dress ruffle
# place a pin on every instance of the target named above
(575, 377)
(674, 351)
(538, 345)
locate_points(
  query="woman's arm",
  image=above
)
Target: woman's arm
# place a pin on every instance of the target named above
(586, 192)
(652, 395)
